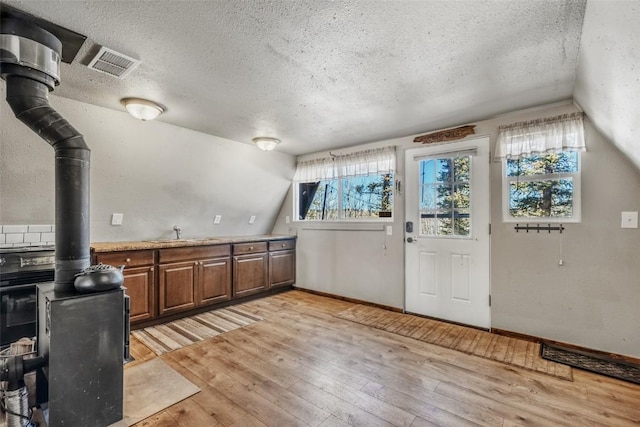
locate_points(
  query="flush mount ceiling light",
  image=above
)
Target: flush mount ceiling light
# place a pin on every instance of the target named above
(142, 109)
(266, 143)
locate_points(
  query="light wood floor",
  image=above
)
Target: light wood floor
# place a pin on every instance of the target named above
(303, 366)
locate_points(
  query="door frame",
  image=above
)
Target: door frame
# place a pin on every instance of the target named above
(444, 148)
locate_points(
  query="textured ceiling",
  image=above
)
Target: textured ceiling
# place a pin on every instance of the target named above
(320, 74)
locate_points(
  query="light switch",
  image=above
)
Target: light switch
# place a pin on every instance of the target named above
(629, 220)
(389, 230)
(252, 219)
(287, 219)
(116, 218)
(217, 219)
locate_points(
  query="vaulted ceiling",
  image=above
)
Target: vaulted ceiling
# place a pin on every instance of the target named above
(321, 75)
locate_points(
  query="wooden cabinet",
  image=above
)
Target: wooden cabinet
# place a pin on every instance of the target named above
(282, 263)
(167, 281)
(215, 279)
(204, 279)
(250, 268)
(177, 287)
(140, 286)
(139, 280)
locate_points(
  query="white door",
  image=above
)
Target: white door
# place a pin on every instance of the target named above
(447, 252)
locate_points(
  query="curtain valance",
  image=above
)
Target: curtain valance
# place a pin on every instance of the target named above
(369, 162)
(548, 135)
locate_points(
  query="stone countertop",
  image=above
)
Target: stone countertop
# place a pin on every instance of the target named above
(101, 247)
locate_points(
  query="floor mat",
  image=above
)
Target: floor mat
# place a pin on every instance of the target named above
(151, 387)
(512, 351)
(593, 363)
(188, 330)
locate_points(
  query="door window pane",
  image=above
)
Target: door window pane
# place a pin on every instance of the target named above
(445, 197)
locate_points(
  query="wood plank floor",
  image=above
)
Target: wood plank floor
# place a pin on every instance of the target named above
(303, 366)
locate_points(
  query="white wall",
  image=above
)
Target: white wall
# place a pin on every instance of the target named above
(607, 78)
(590, 301)
(158, 175)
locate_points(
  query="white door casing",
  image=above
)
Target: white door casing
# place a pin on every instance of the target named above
(447, 255)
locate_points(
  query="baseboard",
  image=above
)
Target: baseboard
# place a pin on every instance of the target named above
(517, 335)
(353, 300)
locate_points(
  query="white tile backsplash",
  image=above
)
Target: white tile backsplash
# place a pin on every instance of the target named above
(32, 237)
(15, 229)
(26, 235)
(14, 238)
(48, 237)
(39, 228)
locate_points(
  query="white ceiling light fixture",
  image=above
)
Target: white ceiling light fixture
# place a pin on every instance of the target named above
(265, 143)
(142, 109)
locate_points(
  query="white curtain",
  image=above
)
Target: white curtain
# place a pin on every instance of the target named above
(369, 162)
(549, 135)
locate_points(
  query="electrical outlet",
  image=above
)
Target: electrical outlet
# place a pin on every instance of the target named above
(116, 219)
(629, 220)
(217, 219)
(389, 230)
(252, 219)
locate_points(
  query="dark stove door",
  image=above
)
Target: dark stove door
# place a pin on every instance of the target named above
(18, 308)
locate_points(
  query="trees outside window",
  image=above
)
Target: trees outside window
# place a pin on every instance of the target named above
(358, 197)
(445, 196)
(542, 188)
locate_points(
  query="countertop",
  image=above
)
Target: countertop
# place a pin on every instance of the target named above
(101, 247)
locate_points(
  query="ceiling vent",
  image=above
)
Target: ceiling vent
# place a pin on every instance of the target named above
(114, 63)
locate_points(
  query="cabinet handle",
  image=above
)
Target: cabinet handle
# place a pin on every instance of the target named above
(128, 260)
(195, 263)
(283, 245)
(151, 269)
(250, 248)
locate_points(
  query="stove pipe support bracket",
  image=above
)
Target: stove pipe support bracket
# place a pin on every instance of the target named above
(30, 63)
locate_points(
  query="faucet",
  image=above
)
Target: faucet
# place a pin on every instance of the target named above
(178, 231)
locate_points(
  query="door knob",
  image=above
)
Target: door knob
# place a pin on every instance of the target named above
(411, 239)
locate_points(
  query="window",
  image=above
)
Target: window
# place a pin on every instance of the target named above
(543, 187)
(445, 196)
(357, 186)
(541, 169)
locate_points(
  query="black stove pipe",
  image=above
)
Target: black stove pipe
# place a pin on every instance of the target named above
(27, 94)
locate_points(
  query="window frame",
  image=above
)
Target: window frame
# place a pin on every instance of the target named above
(577, 199)
(341, 218)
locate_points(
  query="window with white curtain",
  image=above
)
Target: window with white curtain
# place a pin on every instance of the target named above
(541, 169)
(355, 186)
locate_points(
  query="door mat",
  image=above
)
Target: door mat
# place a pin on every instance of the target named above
(189, 330)
(151, 387)
(590, 362)
(512, 351)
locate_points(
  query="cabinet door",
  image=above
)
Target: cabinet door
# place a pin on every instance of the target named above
(282, 268)
(250, 274)
(140, 288)
(214, 280)
(177, 286)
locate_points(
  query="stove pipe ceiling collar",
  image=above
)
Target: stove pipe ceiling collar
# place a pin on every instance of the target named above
(30, 64)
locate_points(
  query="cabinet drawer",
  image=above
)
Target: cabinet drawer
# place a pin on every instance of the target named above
(192, 253)
(282, 245)
(126, 258)
(249, 248)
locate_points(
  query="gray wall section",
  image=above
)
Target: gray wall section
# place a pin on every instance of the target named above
(592, 300)
(158, 175)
